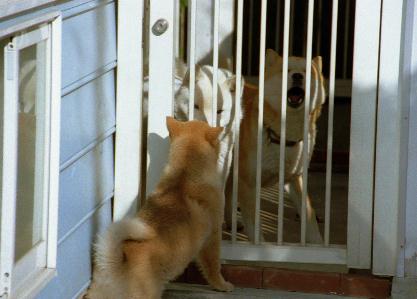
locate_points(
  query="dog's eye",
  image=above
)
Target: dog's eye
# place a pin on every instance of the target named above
(219, 111)
(196, 106)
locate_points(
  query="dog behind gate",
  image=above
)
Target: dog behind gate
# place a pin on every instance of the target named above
(295, 96)
(180, 221)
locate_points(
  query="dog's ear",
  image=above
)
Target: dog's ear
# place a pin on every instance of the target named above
(231, 83)
(186, 79)
(271, 57)
(212, 135)
(174, 126)
(318, 61)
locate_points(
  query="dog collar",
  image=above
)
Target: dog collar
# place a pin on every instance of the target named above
(272, 139)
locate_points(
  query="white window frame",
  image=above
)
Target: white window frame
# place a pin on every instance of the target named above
(26, 277)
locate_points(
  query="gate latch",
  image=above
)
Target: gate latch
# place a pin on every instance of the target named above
(160, 27)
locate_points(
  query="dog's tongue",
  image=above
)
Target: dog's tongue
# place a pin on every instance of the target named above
(295, 98)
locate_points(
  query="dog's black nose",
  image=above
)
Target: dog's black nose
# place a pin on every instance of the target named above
(297, 77)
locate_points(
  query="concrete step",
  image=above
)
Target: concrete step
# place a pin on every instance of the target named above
(188, 291)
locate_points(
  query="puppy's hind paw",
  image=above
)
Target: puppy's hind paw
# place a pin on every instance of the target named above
(225, 287)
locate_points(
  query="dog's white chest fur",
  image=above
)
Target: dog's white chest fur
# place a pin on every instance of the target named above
(271, 156)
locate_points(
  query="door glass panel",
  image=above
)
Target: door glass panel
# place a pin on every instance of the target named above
(29, 203)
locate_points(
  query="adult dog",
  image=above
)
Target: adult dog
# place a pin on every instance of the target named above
(271, 137)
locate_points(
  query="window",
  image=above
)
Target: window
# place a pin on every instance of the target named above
(29, 147)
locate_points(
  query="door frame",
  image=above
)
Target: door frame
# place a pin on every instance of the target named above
(38, 266)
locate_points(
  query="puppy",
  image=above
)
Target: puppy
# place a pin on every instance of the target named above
(180, 221)
(271, 137)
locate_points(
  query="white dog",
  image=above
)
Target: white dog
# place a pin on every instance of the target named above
(226, 85)
(225, 112)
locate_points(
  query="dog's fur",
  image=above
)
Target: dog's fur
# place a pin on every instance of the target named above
(226, 85)
(180, 221)
(271, 139)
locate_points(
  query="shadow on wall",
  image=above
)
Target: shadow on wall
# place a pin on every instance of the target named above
(157, 159)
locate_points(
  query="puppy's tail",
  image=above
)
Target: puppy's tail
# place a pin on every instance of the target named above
(108, 249)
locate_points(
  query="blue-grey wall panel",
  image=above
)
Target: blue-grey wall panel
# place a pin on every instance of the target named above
(74, 257)
(84, 185)
(88, 42)
(86, 114)
(87, 117)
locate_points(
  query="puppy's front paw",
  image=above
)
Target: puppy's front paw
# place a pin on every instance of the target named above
(225, 287)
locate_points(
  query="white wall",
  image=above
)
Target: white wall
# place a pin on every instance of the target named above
(204, 32)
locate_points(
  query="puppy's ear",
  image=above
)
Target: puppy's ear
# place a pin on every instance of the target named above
(212, 135)
(318, 61)
(174, 126)
(271, 58)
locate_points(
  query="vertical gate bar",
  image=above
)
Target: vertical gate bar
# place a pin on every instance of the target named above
(9, 167)
(277, 25)
(346, 39)
(260, 119)
(306, 119)
(215, 61)
(283, 121)
(192, 7)
(237, 115)
(330, 122)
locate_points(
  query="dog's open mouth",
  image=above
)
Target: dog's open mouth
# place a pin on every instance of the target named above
(295, 97)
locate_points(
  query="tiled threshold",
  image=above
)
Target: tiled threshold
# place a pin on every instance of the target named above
(344, 284)
(192, 291)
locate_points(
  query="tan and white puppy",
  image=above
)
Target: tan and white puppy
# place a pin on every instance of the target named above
(271, 137)
(180, 221)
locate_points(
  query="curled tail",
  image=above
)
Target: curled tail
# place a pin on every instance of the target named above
(108, 249)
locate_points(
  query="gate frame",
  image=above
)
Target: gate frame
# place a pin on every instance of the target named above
(128, 141)
(385, 194)
(362, 130)
(391, 141)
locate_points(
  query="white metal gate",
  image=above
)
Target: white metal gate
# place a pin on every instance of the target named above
(162, 49)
